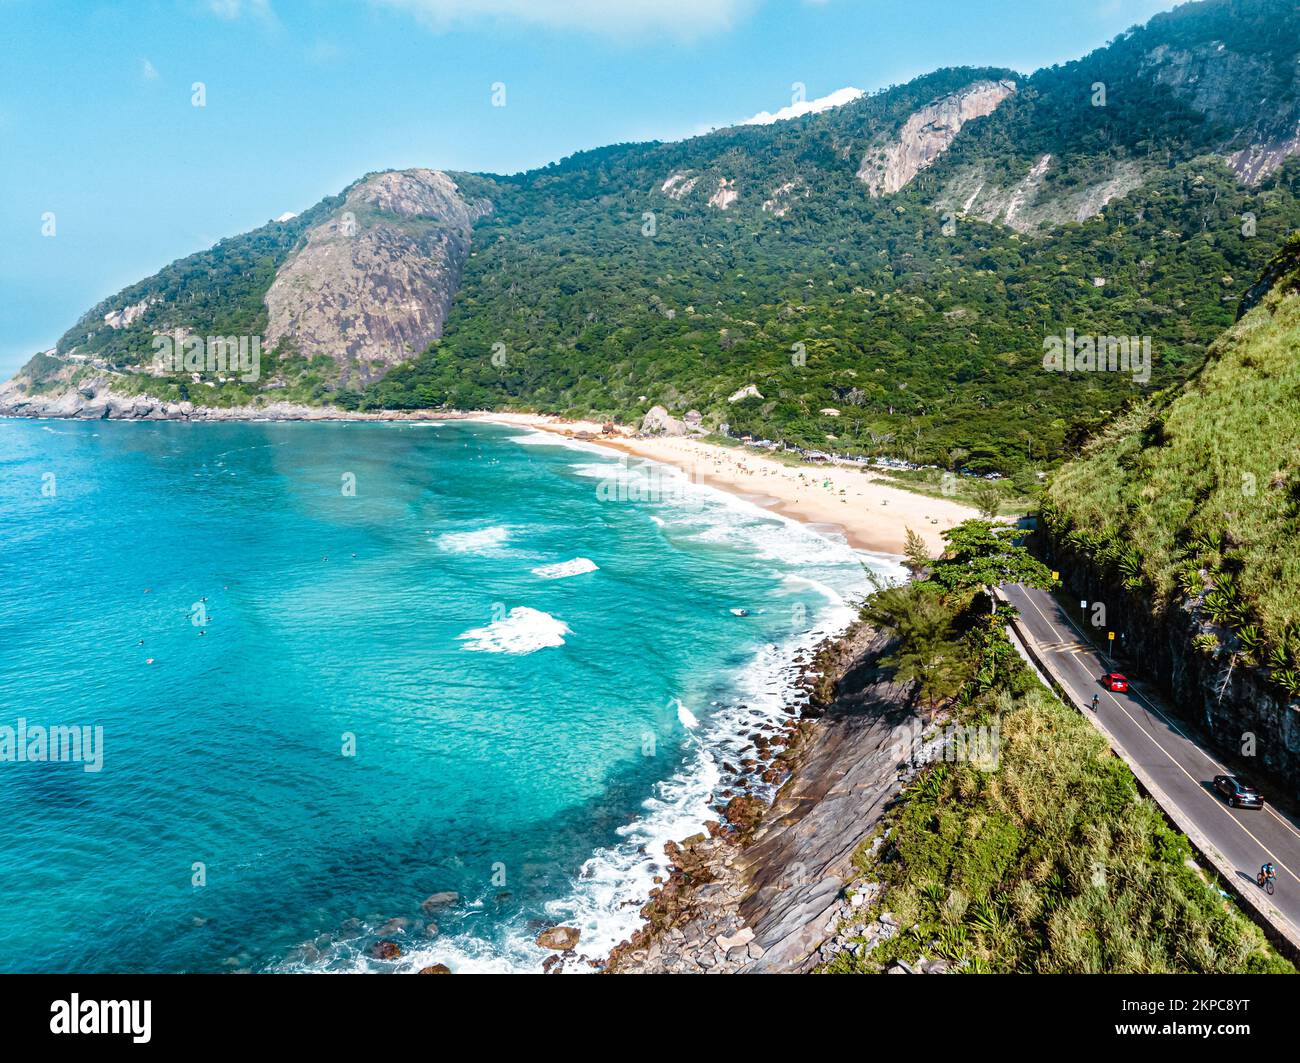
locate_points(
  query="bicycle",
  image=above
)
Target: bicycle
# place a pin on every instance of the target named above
(1265, 882)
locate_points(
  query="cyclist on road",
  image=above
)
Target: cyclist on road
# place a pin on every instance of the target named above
(1096, 700)
(1267, 871)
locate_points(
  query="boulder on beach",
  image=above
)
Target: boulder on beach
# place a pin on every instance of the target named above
(437, 968)
(658, 422)
(560, 938)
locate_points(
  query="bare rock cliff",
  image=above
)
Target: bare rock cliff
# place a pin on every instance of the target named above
(889, 165)
(372, 285)
(1210, 78)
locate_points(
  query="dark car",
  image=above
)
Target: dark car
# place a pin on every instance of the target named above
(1237, 793)
(1115, 682)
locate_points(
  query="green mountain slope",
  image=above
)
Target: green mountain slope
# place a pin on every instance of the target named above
(678, 274)
(1195, 497)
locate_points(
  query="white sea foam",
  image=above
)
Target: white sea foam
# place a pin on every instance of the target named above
(482, 540)
(576, 567)
(535, 437)
(614, 883)
(522, 630)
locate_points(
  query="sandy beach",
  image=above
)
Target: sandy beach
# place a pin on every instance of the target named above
(869, 512)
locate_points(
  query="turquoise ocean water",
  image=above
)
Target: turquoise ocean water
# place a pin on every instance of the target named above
(388, 660)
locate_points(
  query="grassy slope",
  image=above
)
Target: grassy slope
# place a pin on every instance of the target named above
(1051, 862)
(1202, 490)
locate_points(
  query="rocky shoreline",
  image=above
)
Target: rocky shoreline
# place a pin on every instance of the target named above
(98, 402)
(773, 889)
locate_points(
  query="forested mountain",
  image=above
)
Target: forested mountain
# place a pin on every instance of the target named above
(899, 261)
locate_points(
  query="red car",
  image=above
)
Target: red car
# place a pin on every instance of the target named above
(1115, 682)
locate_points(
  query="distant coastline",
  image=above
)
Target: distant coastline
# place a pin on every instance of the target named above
(870, 513)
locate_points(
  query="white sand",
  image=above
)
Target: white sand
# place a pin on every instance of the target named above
(871, 513)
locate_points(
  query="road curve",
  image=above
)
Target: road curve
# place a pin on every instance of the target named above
(1161, 746)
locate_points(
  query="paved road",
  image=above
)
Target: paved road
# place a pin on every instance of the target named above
(1161, 745)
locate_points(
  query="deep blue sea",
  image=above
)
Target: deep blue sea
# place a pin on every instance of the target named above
(341, 667)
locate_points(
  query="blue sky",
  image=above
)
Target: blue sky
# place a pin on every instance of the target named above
(302, 96)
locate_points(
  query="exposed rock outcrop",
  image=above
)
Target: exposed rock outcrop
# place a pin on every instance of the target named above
(779, 203)
(97, 400)
(771, 894)
(889, 165)
(1209, 78)
(559, 938)
(659, 422)
(372, 286)
(749, 391)
(725, 195)
(678, 186)
(128, 314)
(1028, 205)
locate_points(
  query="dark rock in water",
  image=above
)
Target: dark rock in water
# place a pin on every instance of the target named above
(431, 930)
(400, 925)
(560, 938)
(440, 900)
(385, 950)
(437, 968)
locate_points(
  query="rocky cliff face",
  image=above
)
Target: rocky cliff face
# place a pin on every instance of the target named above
(1232, 704)
(372, 286)
(889, 165)
(1262, 127)
(1023, 206)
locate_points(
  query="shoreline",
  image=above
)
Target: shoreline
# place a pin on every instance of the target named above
(871, 513)
(773, 886)
(787, 770)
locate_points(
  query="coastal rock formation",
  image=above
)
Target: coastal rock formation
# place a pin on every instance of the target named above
(127, 315)
(772, 894)
(98, 401)
(658, 422)
(890, 164)
(778, 204)
(372, 286)
(678, 186)
(559, 938)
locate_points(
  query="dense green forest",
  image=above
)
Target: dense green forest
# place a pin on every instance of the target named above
(592, 290)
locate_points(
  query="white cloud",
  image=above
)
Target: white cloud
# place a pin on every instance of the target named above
(676, 18)
(838, 98)
(148, 71)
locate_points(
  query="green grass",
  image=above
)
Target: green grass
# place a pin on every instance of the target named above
(1050, 862)
(1199, 493)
